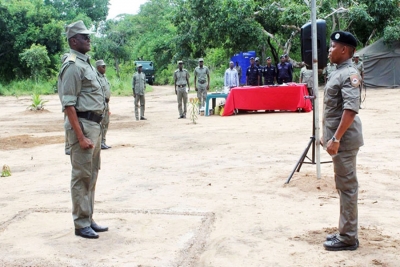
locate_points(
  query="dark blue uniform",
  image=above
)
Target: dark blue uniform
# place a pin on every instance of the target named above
(284, 73)
(252, 75)
(269, 74)
(260, 73)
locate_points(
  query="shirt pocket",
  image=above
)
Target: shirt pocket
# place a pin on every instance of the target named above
(90, 83)
(331, 97)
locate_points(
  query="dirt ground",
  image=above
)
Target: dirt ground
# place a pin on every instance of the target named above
(212, 194)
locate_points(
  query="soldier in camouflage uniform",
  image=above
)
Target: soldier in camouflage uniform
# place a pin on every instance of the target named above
(82, 99)
(201, 82)
(342, 137)
(101, 72)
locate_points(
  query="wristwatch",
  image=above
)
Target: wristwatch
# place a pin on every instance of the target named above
(335, 140)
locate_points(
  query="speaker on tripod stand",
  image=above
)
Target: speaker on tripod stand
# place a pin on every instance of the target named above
(306, 44)
(307, 57)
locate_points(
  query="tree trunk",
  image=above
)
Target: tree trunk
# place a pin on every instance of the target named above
(117, 70)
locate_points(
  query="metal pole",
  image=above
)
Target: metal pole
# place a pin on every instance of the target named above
(315, 86)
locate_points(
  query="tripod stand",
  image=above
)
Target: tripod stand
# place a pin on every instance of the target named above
(303, 156)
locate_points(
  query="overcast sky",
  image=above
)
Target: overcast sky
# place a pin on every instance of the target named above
(124, 7)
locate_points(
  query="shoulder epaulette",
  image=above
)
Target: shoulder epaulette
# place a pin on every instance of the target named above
(71, 57)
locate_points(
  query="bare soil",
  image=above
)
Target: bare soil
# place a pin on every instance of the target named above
(175, 193)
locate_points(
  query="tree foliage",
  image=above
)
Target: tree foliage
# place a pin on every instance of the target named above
(36, 59)
(165, 31)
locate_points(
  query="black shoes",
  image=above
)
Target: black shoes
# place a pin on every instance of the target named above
(86, 232)
(143, 118)
(332, 243)
(98, 228)
(104, 146)
(182, 117)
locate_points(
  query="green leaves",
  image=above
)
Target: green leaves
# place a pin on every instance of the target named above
(36, 59)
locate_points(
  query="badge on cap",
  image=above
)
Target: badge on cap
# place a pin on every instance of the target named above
(355, 82)
(337, 36)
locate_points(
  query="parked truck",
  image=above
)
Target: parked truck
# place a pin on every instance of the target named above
(148, 69)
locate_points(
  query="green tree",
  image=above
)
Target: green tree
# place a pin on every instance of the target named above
(36, 59)
(70, 10)
(24, 23)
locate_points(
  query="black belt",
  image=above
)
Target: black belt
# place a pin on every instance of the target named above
(89, 115)
(107, 100)
(182, 85)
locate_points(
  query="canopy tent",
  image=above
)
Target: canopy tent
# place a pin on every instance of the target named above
(381, 64)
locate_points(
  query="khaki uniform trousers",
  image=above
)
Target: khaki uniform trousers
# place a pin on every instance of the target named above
(85, 169)
(104, 123)
(344, 164)
(139, 98)
(182, 97)
(202, 96)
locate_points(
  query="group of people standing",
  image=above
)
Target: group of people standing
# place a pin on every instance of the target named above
(182, 87)
(270, 74)
(85, 93)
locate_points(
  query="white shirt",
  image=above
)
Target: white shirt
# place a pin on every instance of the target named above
(231, 78)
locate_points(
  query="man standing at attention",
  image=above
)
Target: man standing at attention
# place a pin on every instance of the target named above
(201, 82)
(82, 99)
(284, 71)
(342, 136)
(252, 74)
(269, 73)
(138, 88)
(360, 67)
(239, 70)
(181, 79)
(231, 76)
(330, 67)
(260, 70)
(101, 70)
(307, 77)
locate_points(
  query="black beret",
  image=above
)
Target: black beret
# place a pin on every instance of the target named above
(283, 56)
(344, 38)
(252, 58)
(268, 58)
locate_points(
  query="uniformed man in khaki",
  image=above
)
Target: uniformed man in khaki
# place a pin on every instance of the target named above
(67, 147)
(330, 67)
(182, 87)
(101, 72)
(82, 99)
(306, 76)
(360, 67)
(201, 82)
(342, 136)
(139, 88)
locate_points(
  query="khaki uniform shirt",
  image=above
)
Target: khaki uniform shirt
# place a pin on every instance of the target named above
(181, 76)
(79, 84)
(359, 66)
(201, 75)
(106, 85)
(139, 83)
(307, 77)
(329, 69)
(342, 92)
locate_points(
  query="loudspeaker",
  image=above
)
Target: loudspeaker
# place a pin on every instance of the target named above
(306, 43)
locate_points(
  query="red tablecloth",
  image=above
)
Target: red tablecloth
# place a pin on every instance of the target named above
(290, 97)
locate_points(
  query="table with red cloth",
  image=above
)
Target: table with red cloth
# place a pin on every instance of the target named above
(283, 97)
